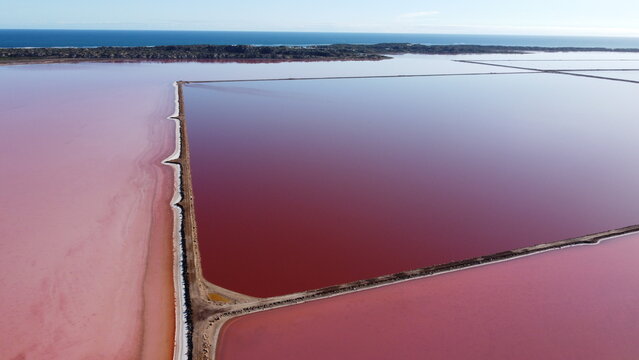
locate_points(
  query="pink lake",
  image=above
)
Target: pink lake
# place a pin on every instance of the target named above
(86, 225)
(575, 303)
(85, 222)
(300, 185)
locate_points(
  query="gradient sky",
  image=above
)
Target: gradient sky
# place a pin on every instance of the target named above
(560, 17)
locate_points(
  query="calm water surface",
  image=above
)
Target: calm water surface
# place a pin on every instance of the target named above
(576, 303)
(85, 223)
(86, 228)
(305, 184)
(624, 75)
(622, 62)
(87, 193)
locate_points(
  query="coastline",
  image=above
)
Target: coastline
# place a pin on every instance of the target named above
(6, 62)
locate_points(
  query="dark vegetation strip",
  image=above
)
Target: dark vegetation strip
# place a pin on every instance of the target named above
(245, 52)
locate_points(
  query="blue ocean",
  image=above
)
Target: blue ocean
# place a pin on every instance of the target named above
(94, 38)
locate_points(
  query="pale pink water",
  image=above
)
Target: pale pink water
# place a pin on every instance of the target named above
(577, 303)
(86, 226)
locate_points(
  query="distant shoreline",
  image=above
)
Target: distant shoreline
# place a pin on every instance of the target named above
(34, 61)
(251, 53)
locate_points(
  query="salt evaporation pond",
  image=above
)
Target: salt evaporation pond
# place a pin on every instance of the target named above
(620, 75)
(575, 303)
(86, 225)
(305, 184)
(567, 64)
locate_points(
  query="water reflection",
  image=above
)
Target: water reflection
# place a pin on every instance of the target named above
(576, 303)
(377, 176)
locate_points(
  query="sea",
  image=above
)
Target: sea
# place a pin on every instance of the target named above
(93, 38)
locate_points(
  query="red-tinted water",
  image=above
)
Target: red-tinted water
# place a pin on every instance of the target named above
(576, 303)
(306, 184)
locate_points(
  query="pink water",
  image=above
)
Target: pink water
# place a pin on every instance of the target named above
(85, 222)
(306, 184)
(86, 226)
(577, 303)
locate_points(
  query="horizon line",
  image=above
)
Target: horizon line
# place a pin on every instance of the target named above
(331, 32)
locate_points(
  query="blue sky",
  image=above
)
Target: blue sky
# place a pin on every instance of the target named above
(560, 17)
